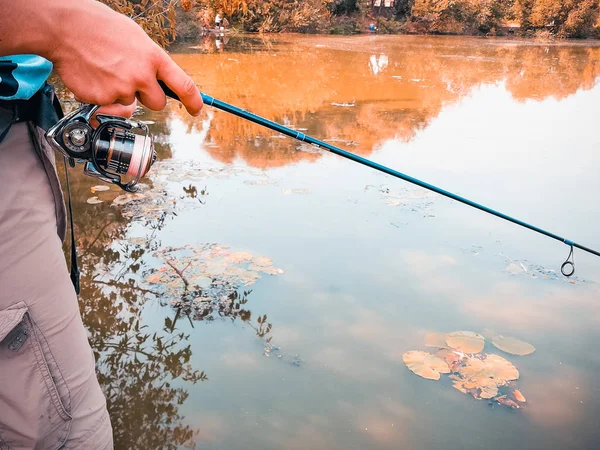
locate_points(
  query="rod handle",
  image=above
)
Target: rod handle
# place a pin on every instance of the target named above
(207, 99)
(168, 91)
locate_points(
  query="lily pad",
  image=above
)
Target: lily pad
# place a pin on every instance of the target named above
(100, 188)
(239, 257)
(489, 366)
(294, 191)
(489, 391)
(437, 340)
(262, 261)
(513, 346)
(425, 365)
(155, 278)
(519, 396)
(269, 270)
(482, 375)
(504, 400)
(126, 198)
(465, 341)
(93, 201)
(208, 271)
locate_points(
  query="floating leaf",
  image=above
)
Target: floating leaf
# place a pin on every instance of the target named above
(453, 359)
(465, 341)
(126, 198)
(520, 397)
(393, 202)
(482, 375)
(489, 391)
(239, 257)
(443, 352)
(492, 366)
(100, 188)
(262, 261)
(93, 201)
(437, 340)
(514, 268)
(155, 278)
(205, 279)
(269, 270)
(513, 346)
(294, 191)
(137, 241)
(504, 400)
(425, 365)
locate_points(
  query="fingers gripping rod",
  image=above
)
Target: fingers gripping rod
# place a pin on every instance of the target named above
(567, 268)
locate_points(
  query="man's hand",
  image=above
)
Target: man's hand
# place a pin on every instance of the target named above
(100, 55)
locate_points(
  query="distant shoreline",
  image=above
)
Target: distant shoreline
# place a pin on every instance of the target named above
(533, 40)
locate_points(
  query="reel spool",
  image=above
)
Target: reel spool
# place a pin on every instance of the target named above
(118, 148)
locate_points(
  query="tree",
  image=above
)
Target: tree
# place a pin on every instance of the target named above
(581, 19)
(457, 16)
(522, 12)
(569, 18)
(156, 17)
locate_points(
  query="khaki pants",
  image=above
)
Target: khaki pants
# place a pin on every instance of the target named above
(49, 395)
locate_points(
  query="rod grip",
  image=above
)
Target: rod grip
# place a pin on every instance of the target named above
(207, 99)
(168, 91)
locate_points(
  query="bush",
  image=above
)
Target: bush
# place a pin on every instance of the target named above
(163, 19)
(157, 19)
(390, 26)
(344, 25)
(460, 16)
(274, 16)
(187, 27)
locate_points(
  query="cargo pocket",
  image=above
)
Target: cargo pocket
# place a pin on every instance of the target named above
(34, 398)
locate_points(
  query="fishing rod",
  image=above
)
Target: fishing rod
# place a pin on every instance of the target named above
(567, 268)
(122, 148)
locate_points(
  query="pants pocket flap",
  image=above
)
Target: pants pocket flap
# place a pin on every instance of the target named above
(10, 318)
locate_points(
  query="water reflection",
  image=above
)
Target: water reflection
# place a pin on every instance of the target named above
(138, 367)
(413, 83)
(369, 266)
(378, 64)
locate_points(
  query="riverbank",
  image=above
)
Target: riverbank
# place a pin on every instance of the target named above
(420, 17)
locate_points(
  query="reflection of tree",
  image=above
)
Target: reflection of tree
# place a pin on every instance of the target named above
(295, 84)
(553, 71)
(138, 368)
(205, 282)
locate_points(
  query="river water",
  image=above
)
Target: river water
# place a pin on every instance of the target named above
(310, 276)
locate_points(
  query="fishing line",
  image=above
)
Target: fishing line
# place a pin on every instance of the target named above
(567, 268)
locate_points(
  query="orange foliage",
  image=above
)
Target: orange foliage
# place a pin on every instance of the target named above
(156, 17)
(568, 18)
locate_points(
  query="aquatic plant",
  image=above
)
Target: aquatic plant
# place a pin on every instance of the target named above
(481, 375)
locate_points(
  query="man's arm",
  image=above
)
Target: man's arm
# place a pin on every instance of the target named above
(100, 55)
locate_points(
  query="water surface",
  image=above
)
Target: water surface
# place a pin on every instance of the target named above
(370, 263)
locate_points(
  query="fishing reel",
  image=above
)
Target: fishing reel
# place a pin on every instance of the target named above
(119, 151)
